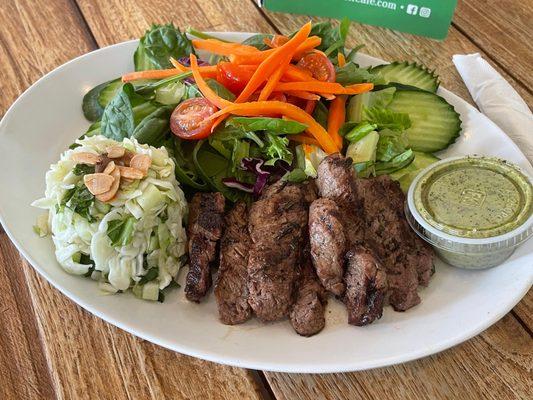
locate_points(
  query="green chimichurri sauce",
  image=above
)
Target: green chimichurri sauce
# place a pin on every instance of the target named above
(475, 197)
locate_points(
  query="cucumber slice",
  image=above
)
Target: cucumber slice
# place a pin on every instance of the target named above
(434, 122)
(411, 74)
(109, 91)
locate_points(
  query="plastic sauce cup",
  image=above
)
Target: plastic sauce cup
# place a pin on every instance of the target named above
(475, 211)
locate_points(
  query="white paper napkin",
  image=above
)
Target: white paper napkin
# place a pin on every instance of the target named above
(497, 99)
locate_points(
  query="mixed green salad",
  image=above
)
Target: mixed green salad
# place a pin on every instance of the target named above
(272, 107)
(393, 129)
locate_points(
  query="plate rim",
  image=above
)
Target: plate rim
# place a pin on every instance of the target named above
(214, 356)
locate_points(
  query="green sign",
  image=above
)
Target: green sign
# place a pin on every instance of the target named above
(430, 18)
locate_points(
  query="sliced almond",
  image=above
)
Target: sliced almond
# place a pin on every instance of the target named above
(85, 158)
(126, 158)
(130, 173)
(109, 168)
(115, 151)
(142, 162)
(110, 194)
(98, 183)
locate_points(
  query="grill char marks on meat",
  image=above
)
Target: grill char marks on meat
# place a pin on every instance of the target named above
(231, 289)
(307, 314)
(276, 225)
(366, 286)
(205, 229)
(423, 255)
(328, 244)
(393, 241)
(336, 181)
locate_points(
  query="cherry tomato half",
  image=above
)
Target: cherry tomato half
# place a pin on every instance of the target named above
(319, 65)
(188, 120)
(233, 77)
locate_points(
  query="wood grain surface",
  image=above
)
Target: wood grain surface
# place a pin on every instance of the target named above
(51, 348)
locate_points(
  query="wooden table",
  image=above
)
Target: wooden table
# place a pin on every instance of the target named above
(51, 348)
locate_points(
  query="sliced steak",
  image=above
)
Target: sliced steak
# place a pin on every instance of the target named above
(366, 286)
(389, 235)
(336, 181)
(231, 290)
(277, 224)
(328, 244)
(205, 229)
(307, 314)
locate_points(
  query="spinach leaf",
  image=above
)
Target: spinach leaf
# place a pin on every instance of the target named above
(273, 125)
(117, 119)
(258, 41)
(220, 90)
(92, 110)
(184, 173)
(277, 148)
(387, 119)
(212, 168)
(83, 169)
(120, 231)
(159, 44)
(79, 200)
(351, 73)
(338, 46)
(153, 128)
(321, 114)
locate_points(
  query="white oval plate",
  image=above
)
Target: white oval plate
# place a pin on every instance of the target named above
(457, 305)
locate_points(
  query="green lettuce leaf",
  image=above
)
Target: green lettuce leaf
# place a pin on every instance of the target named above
(387, 119)
(273, 125)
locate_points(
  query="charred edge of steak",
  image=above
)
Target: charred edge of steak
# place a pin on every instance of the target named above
(231, 290)
(336, 180)
(308, 311)
(328, 244)
(205, 229)
(366, 286)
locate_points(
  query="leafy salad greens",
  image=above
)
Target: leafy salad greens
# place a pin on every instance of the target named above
(385, 130)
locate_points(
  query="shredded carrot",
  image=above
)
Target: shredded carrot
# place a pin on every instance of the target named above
(269, 108)
(303, 139)
(223, 48)
(258, 57)
(272, 62)
(295, 74)
(324, 87)
(341, 59)
(150, 74)
(301, 94)
(204, 87)
(310, 107)
(276, 41)
(274, 79)
(207, 71)
(336, 118)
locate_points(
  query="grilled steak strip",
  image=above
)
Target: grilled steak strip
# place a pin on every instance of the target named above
(389, 235)
(276, 225)
(366, 286)
(231, 289)
(328, 244)
(307, 314)
(205, 228)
